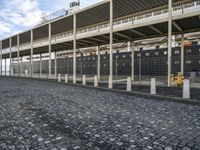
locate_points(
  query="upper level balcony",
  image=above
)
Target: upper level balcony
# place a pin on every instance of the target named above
(130, 22)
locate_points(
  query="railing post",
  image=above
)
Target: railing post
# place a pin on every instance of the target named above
(84, 80)
(182, 54)
(74, 49)
(95, 81)
(186, 89)
(31, 54)
(10, 67)
(49, 50)
(66, 78)
(59, 77)
(153, 86)
(129, 85)
(1, 56)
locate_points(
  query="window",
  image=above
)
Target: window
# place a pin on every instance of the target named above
(124, 56)
(147, 54)
(156, 53)
(116, 57)
(88, 58)
(138, 55)
(176, 52)
(104, 65)
(94, 65)
(188, 62)
(176, 62)
(188, 51)
(199, 61)
(104, 57)
(94, 58)
(165, 52)
(123, 64)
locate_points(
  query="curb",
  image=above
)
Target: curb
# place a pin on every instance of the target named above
(133, 93)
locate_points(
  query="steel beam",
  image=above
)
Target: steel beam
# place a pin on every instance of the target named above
(111, 46)
(98, 63)
(55, 65)
(74, 49)
(49, 50)
(133, 62)
(18, 66)
(10, 67)
(182, 54)
(1, 56)
(169, 41)
(31, 59)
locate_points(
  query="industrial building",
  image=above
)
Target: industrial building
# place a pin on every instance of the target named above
(114, 37)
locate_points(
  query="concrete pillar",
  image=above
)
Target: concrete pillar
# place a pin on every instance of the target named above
(49, 50)
(169, 42)
(74, 50)
(153, 86)
(1, 57)
(31, 53)
(40, 65)
(10, 67)
(133, 62)
(110, 86)
(129, 85)
(66, 78)
(98, 63)
(84, 80)
(186, 89)
(55, 65)
(95, 81)
(59, 77)
(5, 67)
(182, 54)
(18, 66)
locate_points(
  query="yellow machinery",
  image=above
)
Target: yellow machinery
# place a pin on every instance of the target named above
(179, 79)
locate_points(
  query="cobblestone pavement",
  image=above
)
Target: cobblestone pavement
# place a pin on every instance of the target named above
(43, 115)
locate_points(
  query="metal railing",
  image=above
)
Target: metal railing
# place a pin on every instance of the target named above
(179, 8)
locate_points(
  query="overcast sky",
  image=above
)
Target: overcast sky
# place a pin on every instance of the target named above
(19, 15)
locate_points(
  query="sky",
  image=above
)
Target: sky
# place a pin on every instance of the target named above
(19, 15)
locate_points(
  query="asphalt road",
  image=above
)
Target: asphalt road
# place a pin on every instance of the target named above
(44, 115)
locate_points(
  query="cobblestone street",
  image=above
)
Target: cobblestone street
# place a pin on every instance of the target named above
(44, 115)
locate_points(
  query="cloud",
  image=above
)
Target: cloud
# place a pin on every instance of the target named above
(17, 14)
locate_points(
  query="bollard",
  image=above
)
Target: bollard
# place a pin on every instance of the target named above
(110, 83)
(153, 86)
(186, 88)
(59, 77)
(129, 85)
(84, 80)
(66, 78)
(95, 81)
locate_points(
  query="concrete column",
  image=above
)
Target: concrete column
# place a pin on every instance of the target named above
(110, 86)
(169, 42)
(129, 85)
(18, 66)
(40, 65)
(5, 67)
(98, 63)
(186, 89)
(66, 78)
(49, 50)
(31, 53)
(153, 86)
(182, 54)
(84, 80)
(1, 56)
(55, 65)
(59, 77)
(74, 50)
(95, 81)
(133, 63)
(10, 67)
